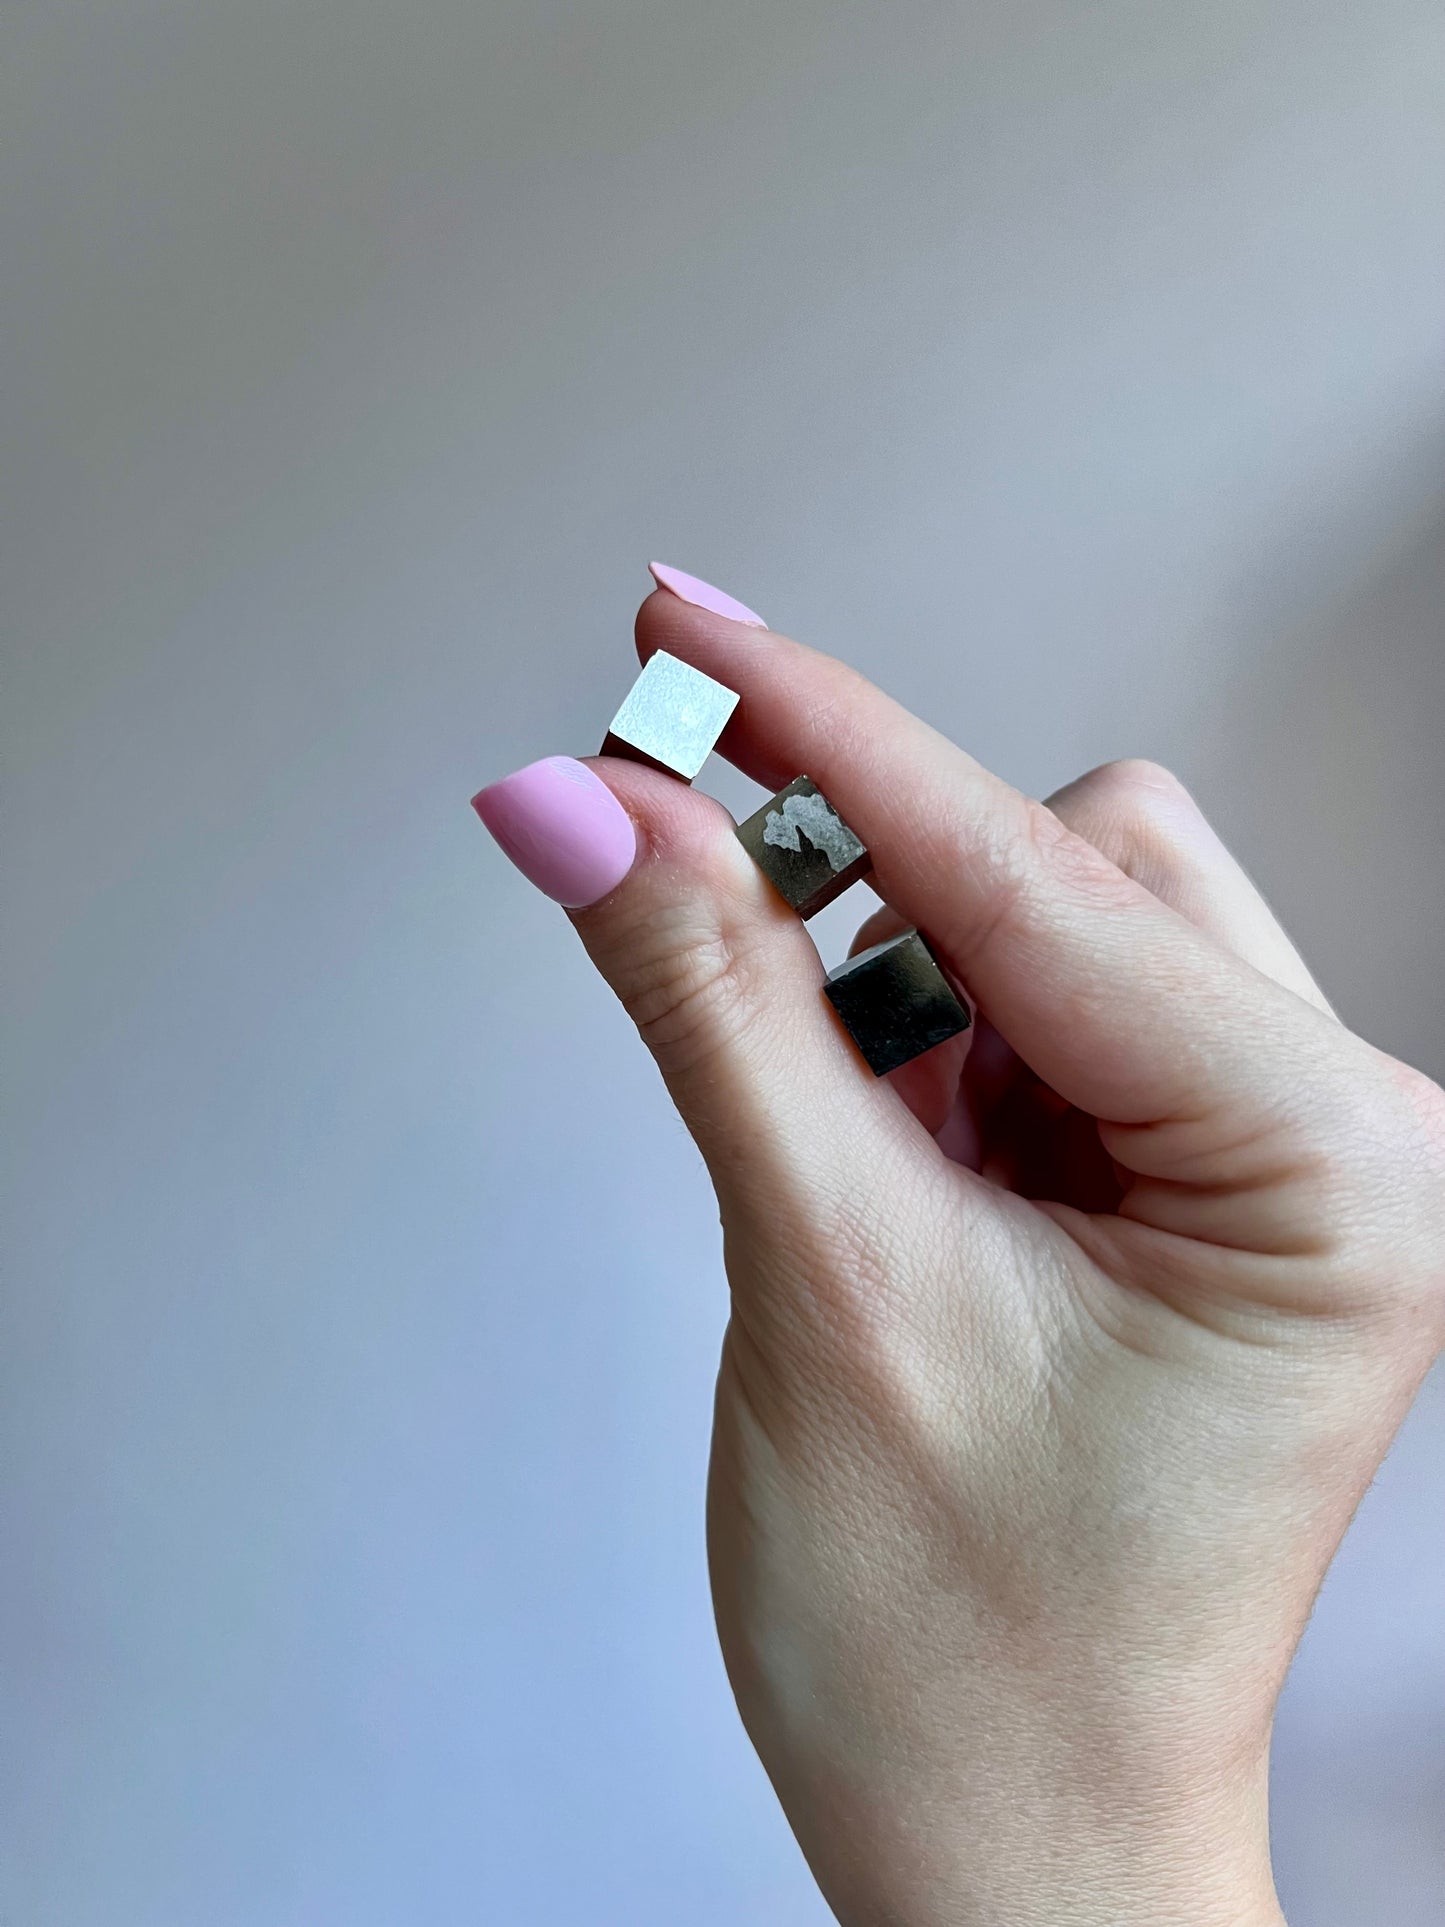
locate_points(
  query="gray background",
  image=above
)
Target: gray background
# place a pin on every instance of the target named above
(1073, 368)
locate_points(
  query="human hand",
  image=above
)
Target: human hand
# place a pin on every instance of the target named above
(1059, 1360)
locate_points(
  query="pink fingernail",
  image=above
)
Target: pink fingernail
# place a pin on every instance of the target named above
(562, 827)
(691, 588)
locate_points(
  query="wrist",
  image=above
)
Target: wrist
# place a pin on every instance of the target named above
(1131, 1893)
(1015, 1862)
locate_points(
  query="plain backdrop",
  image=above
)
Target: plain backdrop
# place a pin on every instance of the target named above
(1075, 369)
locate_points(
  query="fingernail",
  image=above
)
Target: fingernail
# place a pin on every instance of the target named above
(691, 588)
(562, 827)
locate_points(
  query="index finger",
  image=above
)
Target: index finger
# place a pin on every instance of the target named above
(1105, 992)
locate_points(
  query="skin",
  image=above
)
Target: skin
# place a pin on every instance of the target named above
(1034, 1437)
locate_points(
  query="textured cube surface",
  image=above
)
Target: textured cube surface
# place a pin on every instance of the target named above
(895, 1001)
(672, 717)
(803, 847)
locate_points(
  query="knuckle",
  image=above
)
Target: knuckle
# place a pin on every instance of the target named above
(1386, 1179)
(1428, 1100)
(1425, 1108)
(1141, 816)
(1422, 1164)
(834, 716)
(1073, 861)
(683, 984)
(1138, 778)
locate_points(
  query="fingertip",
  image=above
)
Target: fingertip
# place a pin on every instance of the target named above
(663, 622)
(696, 631)
(694, 590)
(563, 828)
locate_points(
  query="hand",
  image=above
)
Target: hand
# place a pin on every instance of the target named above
(1034, 1437)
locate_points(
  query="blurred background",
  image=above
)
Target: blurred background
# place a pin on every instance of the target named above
(1073, 369)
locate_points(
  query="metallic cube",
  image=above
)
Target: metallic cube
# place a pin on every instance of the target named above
(895, 1002)
(803, 847)
(672, 717)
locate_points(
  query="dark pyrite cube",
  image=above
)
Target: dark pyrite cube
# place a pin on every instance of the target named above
(671, 718)
(803, 847)
(895, 1001)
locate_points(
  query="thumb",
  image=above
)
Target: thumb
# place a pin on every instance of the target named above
(719, 975)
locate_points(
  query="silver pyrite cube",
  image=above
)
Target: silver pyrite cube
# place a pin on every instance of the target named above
(895, 1002)
(803, 847)
(671, 718)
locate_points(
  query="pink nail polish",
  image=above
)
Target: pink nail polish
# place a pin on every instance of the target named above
(562, 827)
(702, 595)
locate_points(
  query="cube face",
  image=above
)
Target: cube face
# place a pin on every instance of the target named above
(895, 1002)
(671, 718)
(803, 847)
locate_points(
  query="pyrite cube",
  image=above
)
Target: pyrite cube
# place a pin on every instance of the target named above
(803, 847)
(672, 716)
(895, 1002)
